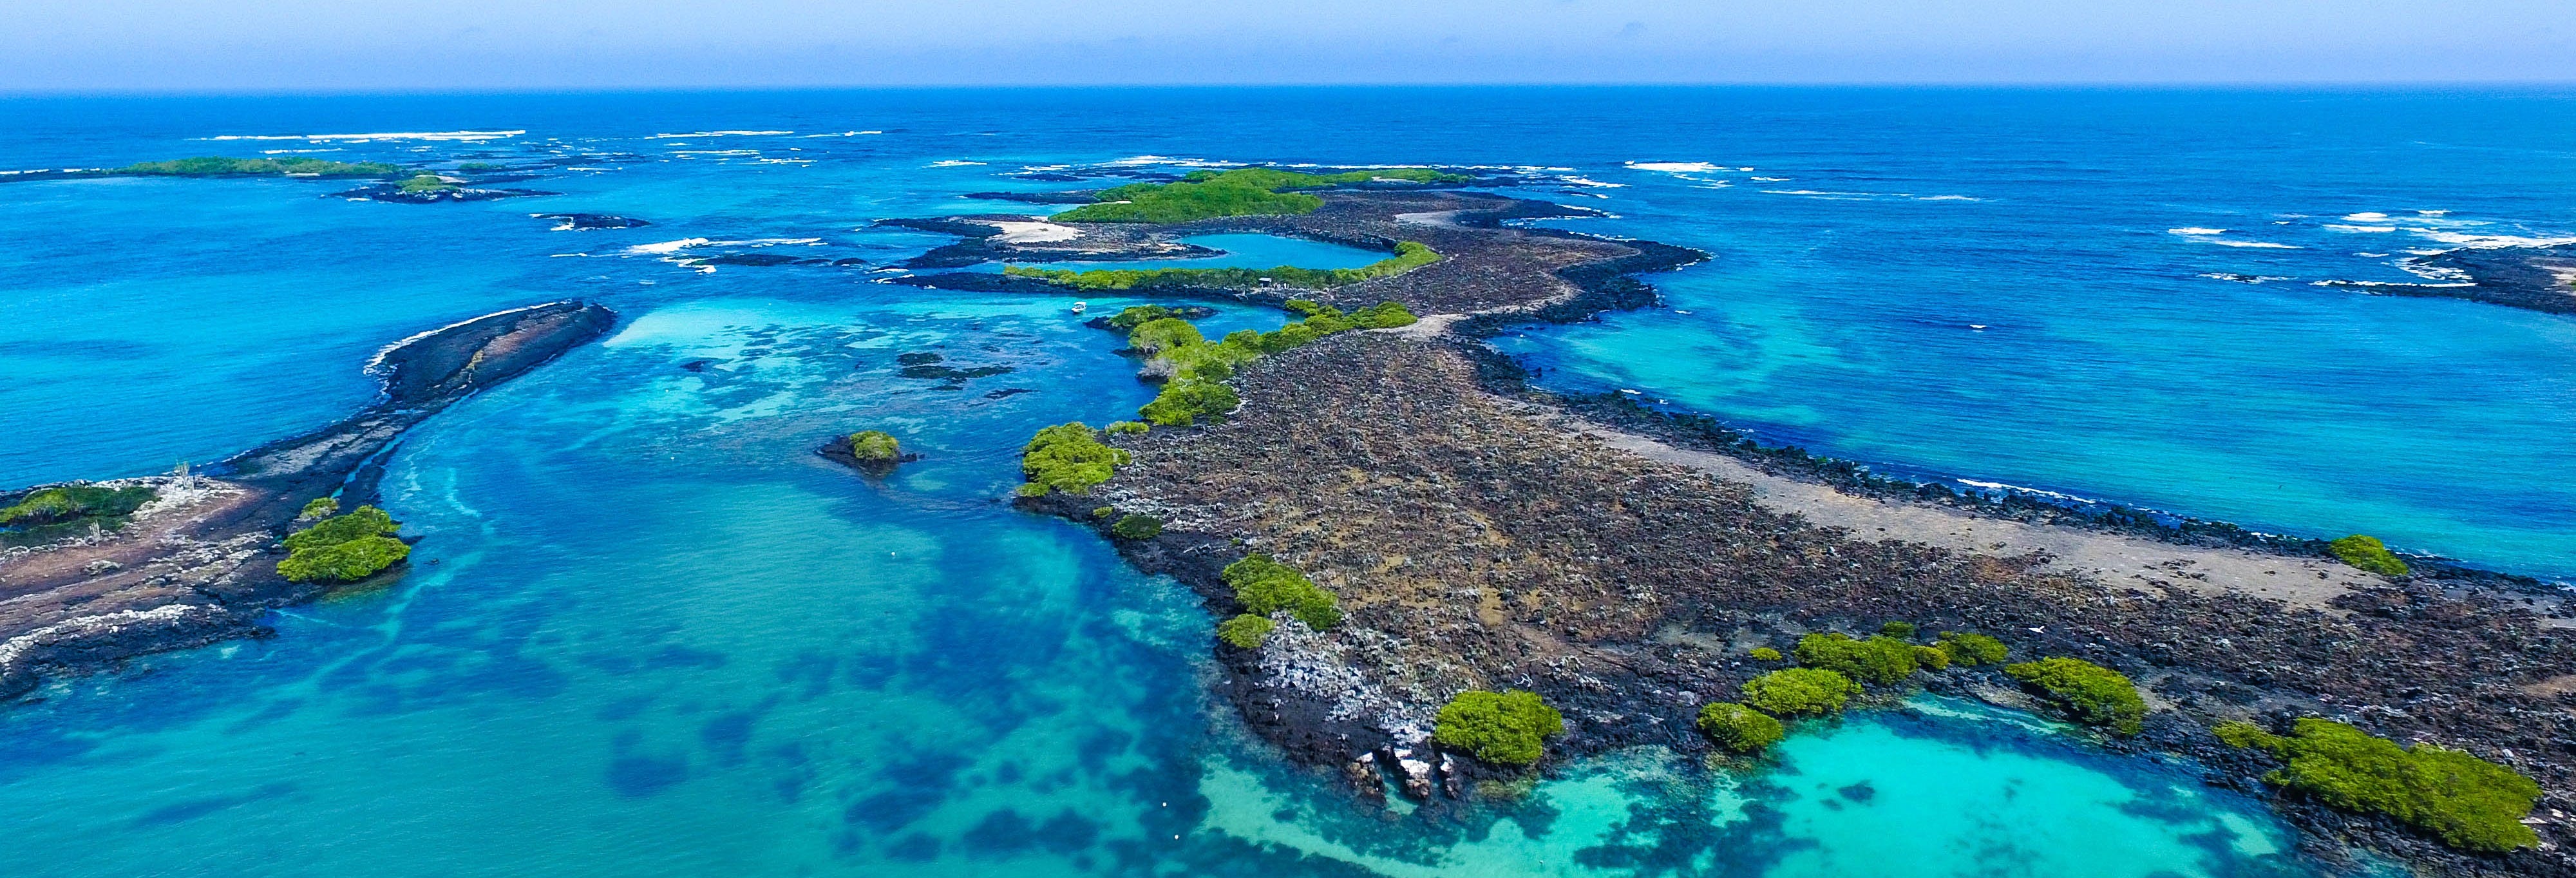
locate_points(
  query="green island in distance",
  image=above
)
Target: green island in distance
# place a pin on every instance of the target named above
(1239, 192)
(217, 166)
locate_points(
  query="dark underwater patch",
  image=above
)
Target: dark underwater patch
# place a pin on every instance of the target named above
(190, 810)
(727, 735)
(913, 848)
(637, 777)
(919, 785)
(1067, 832)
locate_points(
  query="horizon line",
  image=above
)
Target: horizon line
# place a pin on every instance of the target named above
(1857, 84)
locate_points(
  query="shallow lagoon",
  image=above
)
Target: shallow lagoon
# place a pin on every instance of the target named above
(663, 637)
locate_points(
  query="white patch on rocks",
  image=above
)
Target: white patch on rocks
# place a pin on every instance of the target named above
(103, 623)
(1299, 659)
(1034, 232)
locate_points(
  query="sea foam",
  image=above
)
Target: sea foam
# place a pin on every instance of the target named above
(725, 134)
(1678, 167)
(464, 136)
(2490, 242)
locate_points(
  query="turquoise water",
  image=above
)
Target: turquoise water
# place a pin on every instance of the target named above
(662, 637)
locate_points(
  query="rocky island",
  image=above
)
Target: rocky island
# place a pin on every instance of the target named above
(125, 567)
(1439, 573)
(2541, 278)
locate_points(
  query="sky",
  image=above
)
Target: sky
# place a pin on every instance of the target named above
(345, 45)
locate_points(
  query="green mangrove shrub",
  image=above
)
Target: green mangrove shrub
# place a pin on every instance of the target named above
(2467, 802)
(1238, 192)
(1184, 402)
(343, 548)
(1120, 428)
(426, 184)
(1766, 654)
(2368, 553)
(1932, 658)
(1739, 728)
(1899, 630)
(1972, 650)
(68, 502)
(2093, 694)
(1265, 586)
(1136, 527)
(1504, 728)
(1800, 692)
(1156, 336)
(1409, 255)
(1246, 631)
(1880, 659)
(319, 507)
(1127, 319)
(1069, 458)
(875, 446)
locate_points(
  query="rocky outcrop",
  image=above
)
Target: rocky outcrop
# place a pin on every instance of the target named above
(1479, 537)
(2537, 278)
(197, 564)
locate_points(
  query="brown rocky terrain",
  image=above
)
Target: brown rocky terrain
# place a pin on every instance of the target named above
(1482, 535)
(198, 564)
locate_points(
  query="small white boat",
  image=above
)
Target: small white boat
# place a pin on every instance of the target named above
(1078, 307)
(1980, 327)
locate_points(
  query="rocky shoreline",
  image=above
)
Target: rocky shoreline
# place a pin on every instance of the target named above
(197, 564)
(2538, 278)
(1482, 533)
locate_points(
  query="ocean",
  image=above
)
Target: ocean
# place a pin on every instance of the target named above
(661, 636)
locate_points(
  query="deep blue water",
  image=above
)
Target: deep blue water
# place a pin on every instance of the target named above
(662, 637)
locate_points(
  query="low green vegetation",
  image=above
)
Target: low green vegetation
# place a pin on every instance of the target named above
(1247, 630)
(1409, 255)
(2368, 553)
(1799, 691)
(1504, 728)
(343, 548)
(1196, 368)
(425, 184)
(320, 507)
(1137, 527)
(2467, 802)
(1766, 654)
(875, 446)
(1970, 649)
(1880, 659)
(1067, 457)
(1135, 315)
(1183, 403)
(1900, 630)
(73, 502)
(1162, 334)
(216, 166)
(1932, 658)
(1265, 586)
(1739, 728)
(1126, 427)
(2093, 694)
(1239, 192)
